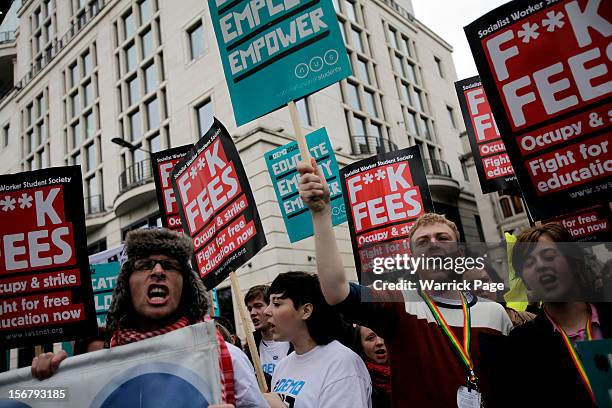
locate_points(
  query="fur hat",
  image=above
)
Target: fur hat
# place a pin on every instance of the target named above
(141, 243)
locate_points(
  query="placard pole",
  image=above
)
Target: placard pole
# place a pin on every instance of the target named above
(299, 136)
(248, 331)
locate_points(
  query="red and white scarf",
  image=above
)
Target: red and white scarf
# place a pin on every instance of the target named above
(124, 336)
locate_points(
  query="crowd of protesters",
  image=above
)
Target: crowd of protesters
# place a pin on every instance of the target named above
(323, 341)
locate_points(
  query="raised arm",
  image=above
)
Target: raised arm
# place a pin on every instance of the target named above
(315, 194)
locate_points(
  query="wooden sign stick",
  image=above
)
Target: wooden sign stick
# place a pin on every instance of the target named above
(299, 136)
(248, 330)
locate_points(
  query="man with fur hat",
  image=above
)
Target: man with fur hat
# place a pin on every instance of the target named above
(157, 292)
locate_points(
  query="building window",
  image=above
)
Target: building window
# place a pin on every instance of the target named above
(464, 169)
(196, 40)
(150, 78)
(478, 222)
(146, 11)
(304, 111)
(451, 116)
(146, 41)
(135, 132)
(439, 68)
(5, 134)
(504, 202)
(129, 27)
(204, 114)
(517, 204)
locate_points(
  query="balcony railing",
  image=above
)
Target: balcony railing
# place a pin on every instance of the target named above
(7, 36)
(437, 168)
(136, 175)
(59, 44)
(94, 204)
(371, 145)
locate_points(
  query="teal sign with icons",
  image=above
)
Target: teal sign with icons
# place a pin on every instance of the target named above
(282, 165)
(277, 51)
(596, 356)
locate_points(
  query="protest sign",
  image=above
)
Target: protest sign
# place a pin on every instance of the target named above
(596, 355)
(545, 67)
(45, 286)
(216, 206)
(277, 52)
(103, 281)
(185, 361)
(162, 163)
(385, 194)
(490, 158)
(590, 224)
(282, 165)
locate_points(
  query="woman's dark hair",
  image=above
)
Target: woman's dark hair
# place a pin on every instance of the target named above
(301, 288)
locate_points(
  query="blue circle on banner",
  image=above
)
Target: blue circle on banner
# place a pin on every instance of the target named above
(11, 403)
(155, 385)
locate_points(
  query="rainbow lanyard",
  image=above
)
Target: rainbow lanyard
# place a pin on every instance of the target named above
(574, 355)
(463, 351)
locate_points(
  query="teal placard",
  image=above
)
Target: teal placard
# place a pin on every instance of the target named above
(277, 51)
(103, 280)
(596, 355)
(282, 166)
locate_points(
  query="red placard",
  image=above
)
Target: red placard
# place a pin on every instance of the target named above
(163, 162)
(546, 69)
(493, 166)
(216, 206)
(385, 194)
(45, 285)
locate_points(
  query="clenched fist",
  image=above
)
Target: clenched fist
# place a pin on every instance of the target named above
(313, 187)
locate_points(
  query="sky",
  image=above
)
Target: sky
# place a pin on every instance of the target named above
(447, 19)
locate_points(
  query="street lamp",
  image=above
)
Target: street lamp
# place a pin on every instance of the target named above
(124, 143)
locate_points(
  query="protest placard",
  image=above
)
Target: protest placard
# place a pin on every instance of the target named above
(385, 194)
(589, 224)
(216, 206)
(545, 67)
(277, 52)
(282, 165)
(103, 281)
(185, 361)
(45, 287)
(162, 163)
(596, 356)
(492, 163)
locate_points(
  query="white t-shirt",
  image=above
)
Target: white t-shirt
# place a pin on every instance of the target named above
(271, 352)
(245, 383)
(328, 376)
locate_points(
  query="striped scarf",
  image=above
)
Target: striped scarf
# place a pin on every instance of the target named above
(124, 336)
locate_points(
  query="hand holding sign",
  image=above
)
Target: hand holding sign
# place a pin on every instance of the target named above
(46, 364)
(313, 187)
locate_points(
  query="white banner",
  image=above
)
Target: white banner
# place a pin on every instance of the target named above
(178, 369)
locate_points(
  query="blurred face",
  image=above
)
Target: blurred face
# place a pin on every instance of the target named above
(256, 310)
(547, 273)
(285, 321)
(435, 240)
(373, 346)
(478, 274)
(156, 286)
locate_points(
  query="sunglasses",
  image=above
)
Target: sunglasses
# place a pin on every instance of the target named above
(149, 264)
